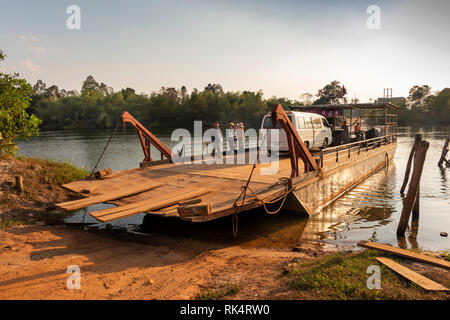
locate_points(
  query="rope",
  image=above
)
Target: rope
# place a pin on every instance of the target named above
(104, 150)
(264, 203)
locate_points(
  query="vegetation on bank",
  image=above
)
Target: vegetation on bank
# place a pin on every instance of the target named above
(15, 122)
(229, 290)
(24, 108)
(98, 106)
(341, 276)
(424, 107)
(42, 180)
(445, 254)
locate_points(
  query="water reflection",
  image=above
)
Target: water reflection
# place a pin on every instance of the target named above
(443, 172)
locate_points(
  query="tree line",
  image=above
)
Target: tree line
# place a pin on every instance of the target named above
(424, 107)
(99, 106)
(24, 109)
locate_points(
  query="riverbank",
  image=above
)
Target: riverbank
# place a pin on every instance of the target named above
(42, 180)
(196, 262)
(119, 265)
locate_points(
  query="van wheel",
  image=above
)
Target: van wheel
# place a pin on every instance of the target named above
(325, 143)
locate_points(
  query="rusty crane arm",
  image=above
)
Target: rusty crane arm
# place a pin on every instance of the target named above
(296, 146)
(146, 138)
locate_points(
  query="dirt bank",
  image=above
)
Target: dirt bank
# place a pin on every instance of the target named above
(42, 181)
(120, 265)
(34, 259)
(176, 260)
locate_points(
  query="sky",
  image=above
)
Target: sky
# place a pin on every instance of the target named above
(284, 48)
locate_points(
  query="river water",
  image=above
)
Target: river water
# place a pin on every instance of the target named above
(371, 210)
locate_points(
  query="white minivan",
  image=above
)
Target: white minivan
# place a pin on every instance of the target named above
(312, 128)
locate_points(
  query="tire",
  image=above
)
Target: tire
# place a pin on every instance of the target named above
(325, 143)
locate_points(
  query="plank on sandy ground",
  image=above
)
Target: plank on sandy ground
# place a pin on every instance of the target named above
(413, 276)
(405, 253)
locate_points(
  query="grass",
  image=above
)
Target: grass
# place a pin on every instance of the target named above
(345, 277)
(58, 172)
(220, 293)
(4, 224)
(42, 180)
(445, 254)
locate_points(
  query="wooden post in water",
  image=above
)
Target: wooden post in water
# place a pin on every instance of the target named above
(444, 153)
(408, 166)
(19, 184)
(413, 189)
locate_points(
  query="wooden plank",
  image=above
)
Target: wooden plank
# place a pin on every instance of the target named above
(145, 205)
(190, 202)
(194, 210)
(405, 253)
(413, 276)
(123, 192)
(179, 196)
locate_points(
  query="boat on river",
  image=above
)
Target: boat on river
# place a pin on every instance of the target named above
(199, 191)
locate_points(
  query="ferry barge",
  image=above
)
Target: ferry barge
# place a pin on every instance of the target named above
(305, 181)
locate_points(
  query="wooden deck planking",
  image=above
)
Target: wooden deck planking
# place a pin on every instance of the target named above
(107, 195)
(120, 212)
(224, 184)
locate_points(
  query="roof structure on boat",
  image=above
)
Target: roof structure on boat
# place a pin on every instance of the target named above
(380, 105)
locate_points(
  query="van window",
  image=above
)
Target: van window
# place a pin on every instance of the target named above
(308, 122)
(325, 122)
(301, 123)
(267, 124)
(317, 123)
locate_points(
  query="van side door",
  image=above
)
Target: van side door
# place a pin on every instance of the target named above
(319, 132)
(308, 133)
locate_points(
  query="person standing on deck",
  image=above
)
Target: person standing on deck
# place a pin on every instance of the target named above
(217, 140)
(240, 137)
(231, 136)
(345, 133)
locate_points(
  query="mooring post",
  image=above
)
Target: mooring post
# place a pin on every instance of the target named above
(408, 166)
(19, 184)
(419, 160)
(416, 208)
(444, 152)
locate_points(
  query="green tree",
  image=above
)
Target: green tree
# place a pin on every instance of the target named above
(331, 93)
(417, 96)
(15, 122)
(214, 88)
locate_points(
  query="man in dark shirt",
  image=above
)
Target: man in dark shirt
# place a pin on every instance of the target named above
(345, 133)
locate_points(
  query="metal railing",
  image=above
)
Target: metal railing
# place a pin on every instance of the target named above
(345, 151)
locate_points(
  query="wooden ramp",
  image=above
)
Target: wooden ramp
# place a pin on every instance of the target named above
(127, 210)
(108, 196)
(162, 187)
